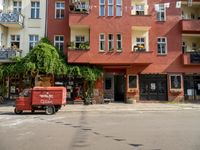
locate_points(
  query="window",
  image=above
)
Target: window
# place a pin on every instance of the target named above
(35, 10)
(59, 42)
(79, 40)
(119, 8)
(161, 13)
(60, 9)
(139, 9)
(17, 6)
(101, 42)
(140, 44)
(101, 7)
(119, 42)
(194, 46)
(161, 45)
(175, 81)
(132, 81)
(33, 40)
(184, 47)
(110, 8)
(110, 42)
(15, 41)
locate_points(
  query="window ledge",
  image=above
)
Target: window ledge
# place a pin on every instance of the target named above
(148, 15)
(161, 54)
(35, 18)
(142, 51)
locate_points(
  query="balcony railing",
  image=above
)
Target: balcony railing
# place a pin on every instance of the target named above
(195, 58)
(11, 19)
(191, 58)
(8, 53)
(79, 46)
(192, 26)
(79, 7)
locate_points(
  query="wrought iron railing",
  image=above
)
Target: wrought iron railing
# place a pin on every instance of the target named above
(11, 17)
(79, 7)
(8, 53)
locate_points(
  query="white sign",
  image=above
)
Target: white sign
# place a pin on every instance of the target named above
(189, 92)
(153, 86)
(198, 85)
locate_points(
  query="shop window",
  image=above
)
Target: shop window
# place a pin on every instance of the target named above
(132, 81)
(175, 81)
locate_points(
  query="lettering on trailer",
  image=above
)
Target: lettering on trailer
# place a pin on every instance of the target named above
(46, 98)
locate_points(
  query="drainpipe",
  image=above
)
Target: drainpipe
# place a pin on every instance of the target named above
(46, 19)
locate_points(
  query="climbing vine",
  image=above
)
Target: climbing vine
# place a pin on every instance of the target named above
(46, 59)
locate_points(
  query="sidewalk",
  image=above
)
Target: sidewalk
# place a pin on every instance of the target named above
(118, 107)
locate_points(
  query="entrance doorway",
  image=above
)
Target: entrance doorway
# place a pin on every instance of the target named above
(192, 87)
(119, 88)
(153, 87)
(114, 87)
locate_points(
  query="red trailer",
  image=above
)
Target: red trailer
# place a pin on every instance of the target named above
(49, 99)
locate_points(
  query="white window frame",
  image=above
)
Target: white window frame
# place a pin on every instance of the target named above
(59, 42)
(129, 89)
(161, 9)
(119, 6)
(35, 10)
(16, 39)
(79, 36)
(111, 41)
(60, 9)
(140, 43)
(102, 5)
(161, 43)
(111, 8)
(181, 77)
(34, 42)
(138, 8)
(102, 40)
(117, 40)
(17, 7)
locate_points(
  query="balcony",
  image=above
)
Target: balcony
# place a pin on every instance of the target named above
(110, 58)
(192, 58)
(7, 53)
(191, 26)
(79, 46)
(11, 19)
(79, 7)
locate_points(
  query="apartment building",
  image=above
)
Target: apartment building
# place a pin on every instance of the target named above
(149, 49)
(22, 24)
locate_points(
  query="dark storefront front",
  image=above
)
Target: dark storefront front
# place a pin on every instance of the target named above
(192, 87)
(153, 87)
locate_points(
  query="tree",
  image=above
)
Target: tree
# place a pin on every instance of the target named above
(46, 59)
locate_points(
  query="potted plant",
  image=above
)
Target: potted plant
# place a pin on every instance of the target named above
(71, 45)
(175, 91)
(111, 49)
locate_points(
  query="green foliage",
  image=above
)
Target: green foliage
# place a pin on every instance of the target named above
(46, 59)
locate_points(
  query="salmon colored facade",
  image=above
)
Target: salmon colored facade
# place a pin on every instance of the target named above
(132, 72)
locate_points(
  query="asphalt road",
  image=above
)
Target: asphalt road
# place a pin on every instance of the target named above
(94, 130)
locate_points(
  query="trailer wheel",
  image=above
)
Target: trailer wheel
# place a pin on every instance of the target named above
(50, 110)
(18, 111)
